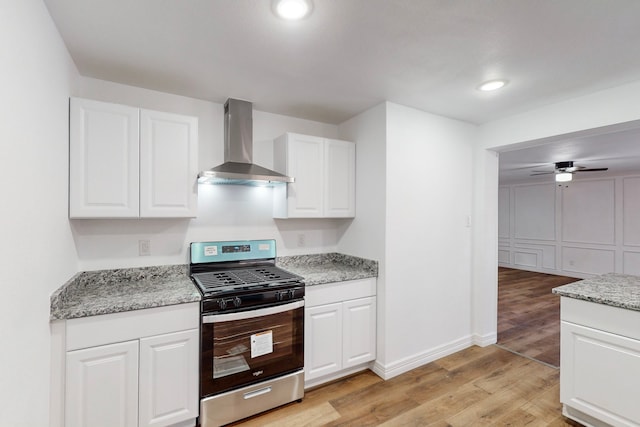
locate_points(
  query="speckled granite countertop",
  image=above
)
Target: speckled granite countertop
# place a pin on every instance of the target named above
(617, 290)
(327, 268)
(91, 293)
(112, 291)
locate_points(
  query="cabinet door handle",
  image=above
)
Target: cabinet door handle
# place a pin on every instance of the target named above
(257, 393)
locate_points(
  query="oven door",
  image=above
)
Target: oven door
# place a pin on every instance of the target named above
(242, 348)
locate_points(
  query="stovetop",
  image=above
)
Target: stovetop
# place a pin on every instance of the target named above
(231, 268)
(212, 282)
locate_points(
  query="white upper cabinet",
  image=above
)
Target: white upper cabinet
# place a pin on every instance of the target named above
(125, 162)
(103, 160)
(339, 179)
(168, 165)
(324, 173)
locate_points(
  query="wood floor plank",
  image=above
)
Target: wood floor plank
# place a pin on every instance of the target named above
(438, 409)
(488, 410)
(529, 313)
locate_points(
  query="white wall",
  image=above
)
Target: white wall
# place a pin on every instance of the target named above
(428, 251)
(365, 235)
(578, 229)
(37, 253)
(224, 212)
(605, 111)
(412, 216)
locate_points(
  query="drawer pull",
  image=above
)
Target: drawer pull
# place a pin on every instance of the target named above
(256, 393)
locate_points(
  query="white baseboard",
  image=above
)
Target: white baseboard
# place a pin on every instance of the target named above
(485, 340)
(408, 363)
(336, 375)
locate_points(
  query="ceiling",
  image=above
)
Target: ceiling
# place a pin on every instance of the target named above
(619, 151)
(350, 55)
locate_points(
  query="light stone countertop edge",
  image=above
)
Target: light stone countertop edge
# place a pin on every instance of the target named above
(613, 289)
(93, 293)
(318, 269)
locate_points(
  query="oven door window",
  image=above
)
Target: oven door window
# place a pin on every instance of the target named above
(242, 348)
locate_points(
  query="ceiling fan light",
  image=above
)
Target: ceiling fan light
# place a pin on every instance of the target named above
(492, 85)
(292, 10)
(564, 177)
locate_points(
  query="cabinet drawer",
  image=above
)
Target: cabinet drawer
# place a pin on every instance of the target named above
(339, 291)
(607, 318)
(117, 327)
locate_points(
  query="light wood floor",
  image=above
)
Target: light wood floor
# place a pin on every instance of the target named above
(487, 386)
(529, 314)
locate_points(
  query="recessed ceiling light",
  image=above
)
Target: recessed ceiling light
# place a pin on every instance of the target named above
(492, 85)
(292, 9)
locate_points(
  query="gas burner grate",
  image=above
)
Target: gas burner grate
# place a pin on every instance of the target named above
(242, 277)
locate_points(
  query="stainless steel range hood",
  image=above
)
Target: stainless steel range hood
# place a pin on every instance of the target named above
(238, 167)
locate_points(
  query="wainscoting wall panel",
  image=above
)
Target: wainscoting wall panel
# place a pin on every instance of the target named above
(525, 259)
(589, 261)
(534, 212)
(588, 212)
(631, 211)
(504, 227)
(546, 253)
(583, 228)
(631, 263)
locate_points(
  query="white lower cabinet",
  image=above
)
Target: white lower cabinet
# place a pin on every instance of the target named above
(102, 386)
(340, 329)
(599, 364)
(323, 340)
(148, 379)
(168, 388)
(358, 331)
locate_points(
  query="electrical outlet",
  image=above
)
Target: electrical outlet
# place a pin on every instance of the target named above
(144, 247)
(301, 240)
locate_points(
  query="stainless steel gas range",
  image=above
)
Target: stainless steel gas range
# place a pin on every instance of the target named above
(252, 330)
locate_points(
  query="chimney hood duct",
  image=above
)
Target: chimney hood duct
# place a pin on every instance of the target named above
(238, 151)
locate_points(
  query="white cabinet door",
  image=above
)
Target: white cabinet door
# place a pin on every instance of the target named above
(169, 378)
(324, 173)
(599, 374)
(168, 165)
(323, 340)
(102, 386)
(103, 160)
(339, 179)
(358, 331)
(305, 159)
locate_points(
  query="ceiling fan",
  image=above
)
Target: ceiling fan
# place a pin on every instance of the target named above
(565, 170)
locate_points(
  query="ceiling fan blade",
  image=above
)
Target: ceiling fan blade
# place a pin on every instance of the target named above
(592, 170)
(541, 173)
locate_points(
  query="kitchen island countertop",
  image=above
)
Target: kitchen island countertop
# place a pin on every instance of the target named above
(614, 289)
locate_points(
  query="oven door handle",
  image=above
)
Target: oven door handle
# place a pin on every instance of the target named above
(212, 318)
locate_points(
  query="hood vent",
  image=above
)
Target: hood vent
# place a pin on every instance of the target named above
(238, 151)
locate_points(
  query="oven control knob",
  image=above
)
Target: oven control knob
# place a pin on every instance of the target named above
(222, 304)
(292, 293)
(237, 301)
(279, 296)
